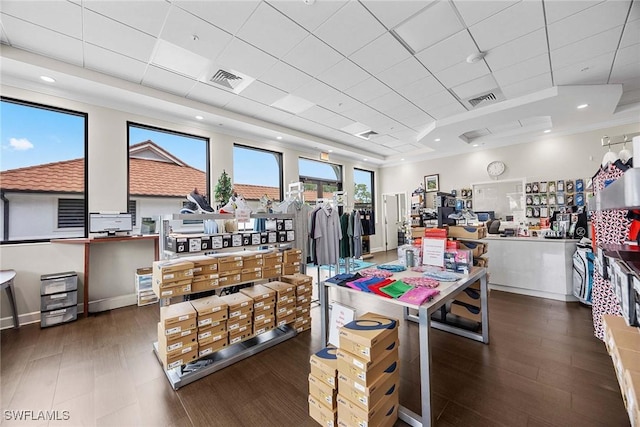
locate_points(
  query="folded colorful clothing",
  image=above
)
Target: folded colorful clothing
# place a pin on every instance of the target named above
(392, 267)
(376, 288)
(418, 295)
(374, 272)
(365, 282)
(421, 281)
(340, 278)
(442, 276)
(396, 289)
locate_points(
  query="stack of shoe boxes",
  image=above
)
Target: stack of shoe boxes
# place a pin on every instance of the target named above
(172, 278)
(323, 387)
(368, 372)
(467, 303)
(264, 308)
(205, 273)
(304, 289)
(285, 302)
(211, 321)
(240, 323)
(230, 270)
(292, 261)
(272, 265)
(251, 267)
(177, 338)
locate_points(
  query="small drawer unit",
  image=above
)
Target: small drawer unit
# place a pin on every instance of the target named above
(58, 298)
(144, 286)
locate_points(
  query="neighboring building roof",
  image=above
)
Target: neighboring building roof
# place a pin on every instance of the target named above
(60, 177)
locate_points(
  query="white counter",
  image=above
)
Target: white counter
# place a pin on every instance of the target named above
(532, 266)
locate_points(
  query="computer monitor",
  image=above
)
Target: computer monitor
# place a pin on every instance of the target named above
(486, 215)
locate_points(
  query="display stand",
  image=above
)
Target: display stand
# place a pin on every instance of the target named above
(186, 374)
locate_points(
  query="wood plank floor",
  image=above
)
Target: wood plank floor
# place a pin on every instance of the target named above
(543, 367)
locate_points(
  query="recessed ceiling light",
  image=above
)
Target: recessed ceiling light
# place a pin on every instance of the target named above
(364, 160)
(402, 160)
(437, 140)
(331, 151)
(547, 131)
(48, 79)
(199, 117)
(278, 137)
(475, 145)
(581, 106)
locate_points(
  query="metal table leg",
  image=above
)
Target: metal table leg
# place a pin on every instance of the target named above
(323, 295)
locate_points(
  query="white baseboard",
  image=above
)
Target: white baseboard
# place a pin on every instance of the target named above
(374, 250)
(94, 306)
(534, 293)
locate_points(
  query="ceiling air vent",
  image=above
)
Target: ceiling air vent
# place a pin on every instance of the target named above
(367, 134)
(226, 79)
(486, 98)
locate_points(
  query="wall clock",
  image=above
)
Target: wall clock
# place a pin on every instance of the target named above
(496, 168)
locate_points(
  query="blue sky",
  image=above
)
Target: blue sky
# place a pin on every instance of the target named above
(192, 151)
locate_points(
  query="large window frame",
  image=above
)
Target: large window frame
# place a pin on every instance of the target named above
(279, 161)
(319, 182)
(83, 221)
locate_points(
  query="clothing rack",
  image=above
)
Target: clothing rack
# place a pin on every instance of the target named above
(620, 139)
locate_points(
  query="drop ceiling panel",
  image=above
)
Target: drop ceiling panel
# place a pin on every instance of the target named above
(527, 86)
(142, 15)
(315, 91)
(263, 93)
(420, 89)
(504, 127)
(365, 114)
(518, 50)
(312, 56)
(292, 104)
(462, 73)
(355, 127)
(228, 15)
(380, 54)
(285, 77)
(630, 97)
(448, 52)
(245, 106)
(631, 34)
(595, 45)
(183, 61)
(387, 102)
(473, 12)
(339, 102)
(3, 36)
(180, 28)
(593, 71)
(105, 61)
(117, 37)
(405, 148)
(433, 24)
(308, 16)
(590, 21)
(243, 57)
(273, 115)
(393, 13)
(445, 111)
(557, 10)
(628, 55)
(511, 23)
(349, 29)
(38, 39)
(344, 75)
(367, 90)
(437, 99)
(405, 134)
(60, 16)
(634, 14)
(271, 31)
(210, 95)
(167, 81)
(329, 118)
(523, 70)
(403, 74)
(391, 142)
(476, 87)
(623, 73)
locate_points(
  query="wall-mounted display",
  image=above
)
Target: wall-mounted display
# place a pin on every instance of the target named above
(579, 185)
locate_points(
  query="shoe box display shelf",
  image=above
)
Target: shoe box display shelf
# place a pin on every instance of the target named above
(185, 374)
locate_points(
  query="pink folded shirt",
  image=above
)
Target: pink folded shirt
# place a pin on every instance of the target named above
(418, 295)
(374, 272)
(423, 282)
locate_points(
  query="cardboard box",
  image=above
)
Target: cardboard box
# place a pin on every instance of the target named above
(213, 332)
(481, 262)
(258, 330)
(324, 366)
(212, 320)
(469, 296)
(180, 288)
(230, 263)
(167, 272)
(291, 268)
(237, 301)
(171, 343)
(631, 395)
(268, 320)
(179, 359)
(236, 240)
(252, 261)
(368, 397)
(244, 335)
(286, 311)
(259, 293)
(467, 311)
(476, 248)
(303, 310)
(322, 414)
(229, 278)
(177, 244)
(241, 314)
(281, 321)
(216, 242)
(367, 375)
(264, 314)
(204, 264)
(212, 347)
(239, 324)
(271, 272)
(292, 255)
(206, 276)
(205, 285)
(303, 300)
(384, 414)
(265, 304)
(306, 327)
(251, 274)
(177, 313)
(297, 279)
(323, 392)
(302, 325)
(272, 259)
(284, 291)
(467, 231)
(211, 305)
(205, 242)
(368, 336)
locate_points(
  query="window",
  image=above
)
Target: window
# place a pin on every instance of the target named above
(320, 179)
(256, 173)
(164, 167)
(363, 188)
(42, 172)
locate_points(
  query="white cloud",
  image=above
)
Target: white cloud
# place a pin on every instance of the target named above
(20, 144)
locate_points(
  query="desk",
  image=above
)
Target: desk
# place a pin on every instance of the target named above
(448, 290)
(6, 283)
(87, 253)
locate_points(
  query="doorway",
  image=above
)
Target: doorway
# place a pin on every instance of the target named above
(394, 215)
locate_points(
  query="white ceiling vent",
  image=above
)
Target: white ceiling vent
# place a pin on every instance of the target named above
(366, 134)
(231, 80)
(486, 98)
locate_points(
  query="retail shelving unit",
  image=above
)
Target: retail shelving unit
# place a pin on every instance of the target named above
(214, 362)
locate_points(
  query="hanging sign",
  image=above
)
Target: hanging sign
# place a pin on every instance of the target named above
(243, 215)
